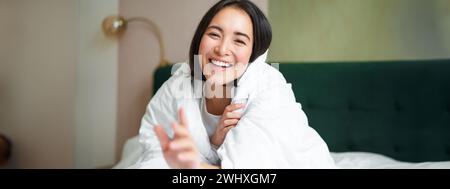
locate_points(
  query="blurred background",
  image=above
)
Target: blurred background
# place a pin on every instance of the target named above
(70, 96)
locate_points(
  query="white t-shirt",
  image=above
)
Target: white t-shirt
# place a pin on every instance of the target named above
(209, 120)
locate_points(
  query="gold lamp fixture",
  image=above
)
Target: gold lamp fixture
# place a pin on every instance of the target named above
(115, 26)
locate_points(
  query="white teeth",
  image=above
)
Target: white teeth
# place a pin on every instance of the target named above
(220, 63)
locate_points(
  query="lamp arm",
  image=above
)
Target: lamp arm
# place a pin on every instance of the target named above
(163, 61)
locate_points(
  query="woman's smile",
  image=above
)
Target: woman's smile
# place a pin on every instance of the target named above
(220, 65)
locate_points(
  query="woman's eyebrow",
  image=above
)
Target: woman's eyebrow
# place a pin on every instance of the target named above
(215, 27)
(242, 34)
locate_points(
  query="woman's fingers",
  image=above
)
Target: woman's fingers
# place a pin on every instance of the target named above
(162, 137)
(180, 152)
(182, 148)
(230, 122)
(233, 107)
(232, 115)
(186, 156)
(182, 118)
(226, 129)
(181, 145)
(180, 131)
(190, 158)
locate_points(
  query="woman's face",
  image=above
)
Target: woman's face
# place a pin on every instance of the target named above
(226, 46)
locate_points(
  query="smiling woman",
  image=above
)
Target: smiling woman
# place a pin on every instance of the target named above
(230, 34)
(227, 42)
(218, 112)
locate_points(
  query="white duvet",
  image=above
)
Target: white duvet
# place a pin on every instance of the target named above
(273, 131)
(346, 160)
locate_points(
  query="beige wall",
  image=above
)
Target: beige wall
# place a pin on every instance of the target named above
(315, 30)
(139, 55)
(37, 81)
(96, 86)
(58, 83)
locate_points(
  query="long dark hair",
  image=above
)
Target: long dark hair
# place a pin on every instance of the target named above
(262, 31)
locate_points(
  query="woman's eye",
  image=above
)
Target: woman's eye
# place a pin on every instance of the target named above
(240, 42)
(213, 35)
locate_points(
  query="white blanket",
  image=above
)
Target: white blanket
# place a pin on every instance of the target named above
(346, 160)
(272, 133)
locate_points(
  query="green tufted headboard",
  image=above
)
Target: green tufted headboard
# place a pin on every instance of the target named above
(397, 108)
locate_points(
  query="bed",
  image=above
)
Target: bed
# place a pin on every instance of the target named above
(372, 114)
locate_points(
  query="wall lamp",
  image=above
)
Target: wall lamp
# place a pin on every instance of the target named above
(115, 26)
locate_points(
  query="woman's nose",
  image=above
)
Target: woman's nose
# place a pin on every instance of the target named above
(222, 49)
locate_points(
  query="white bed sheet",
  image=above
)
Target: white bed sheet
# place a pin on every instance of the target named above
(345, 160)
(367, 160)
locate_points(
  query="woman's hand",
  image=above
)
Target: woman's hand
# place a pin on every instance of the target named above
(180, 152)
(228, 120)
